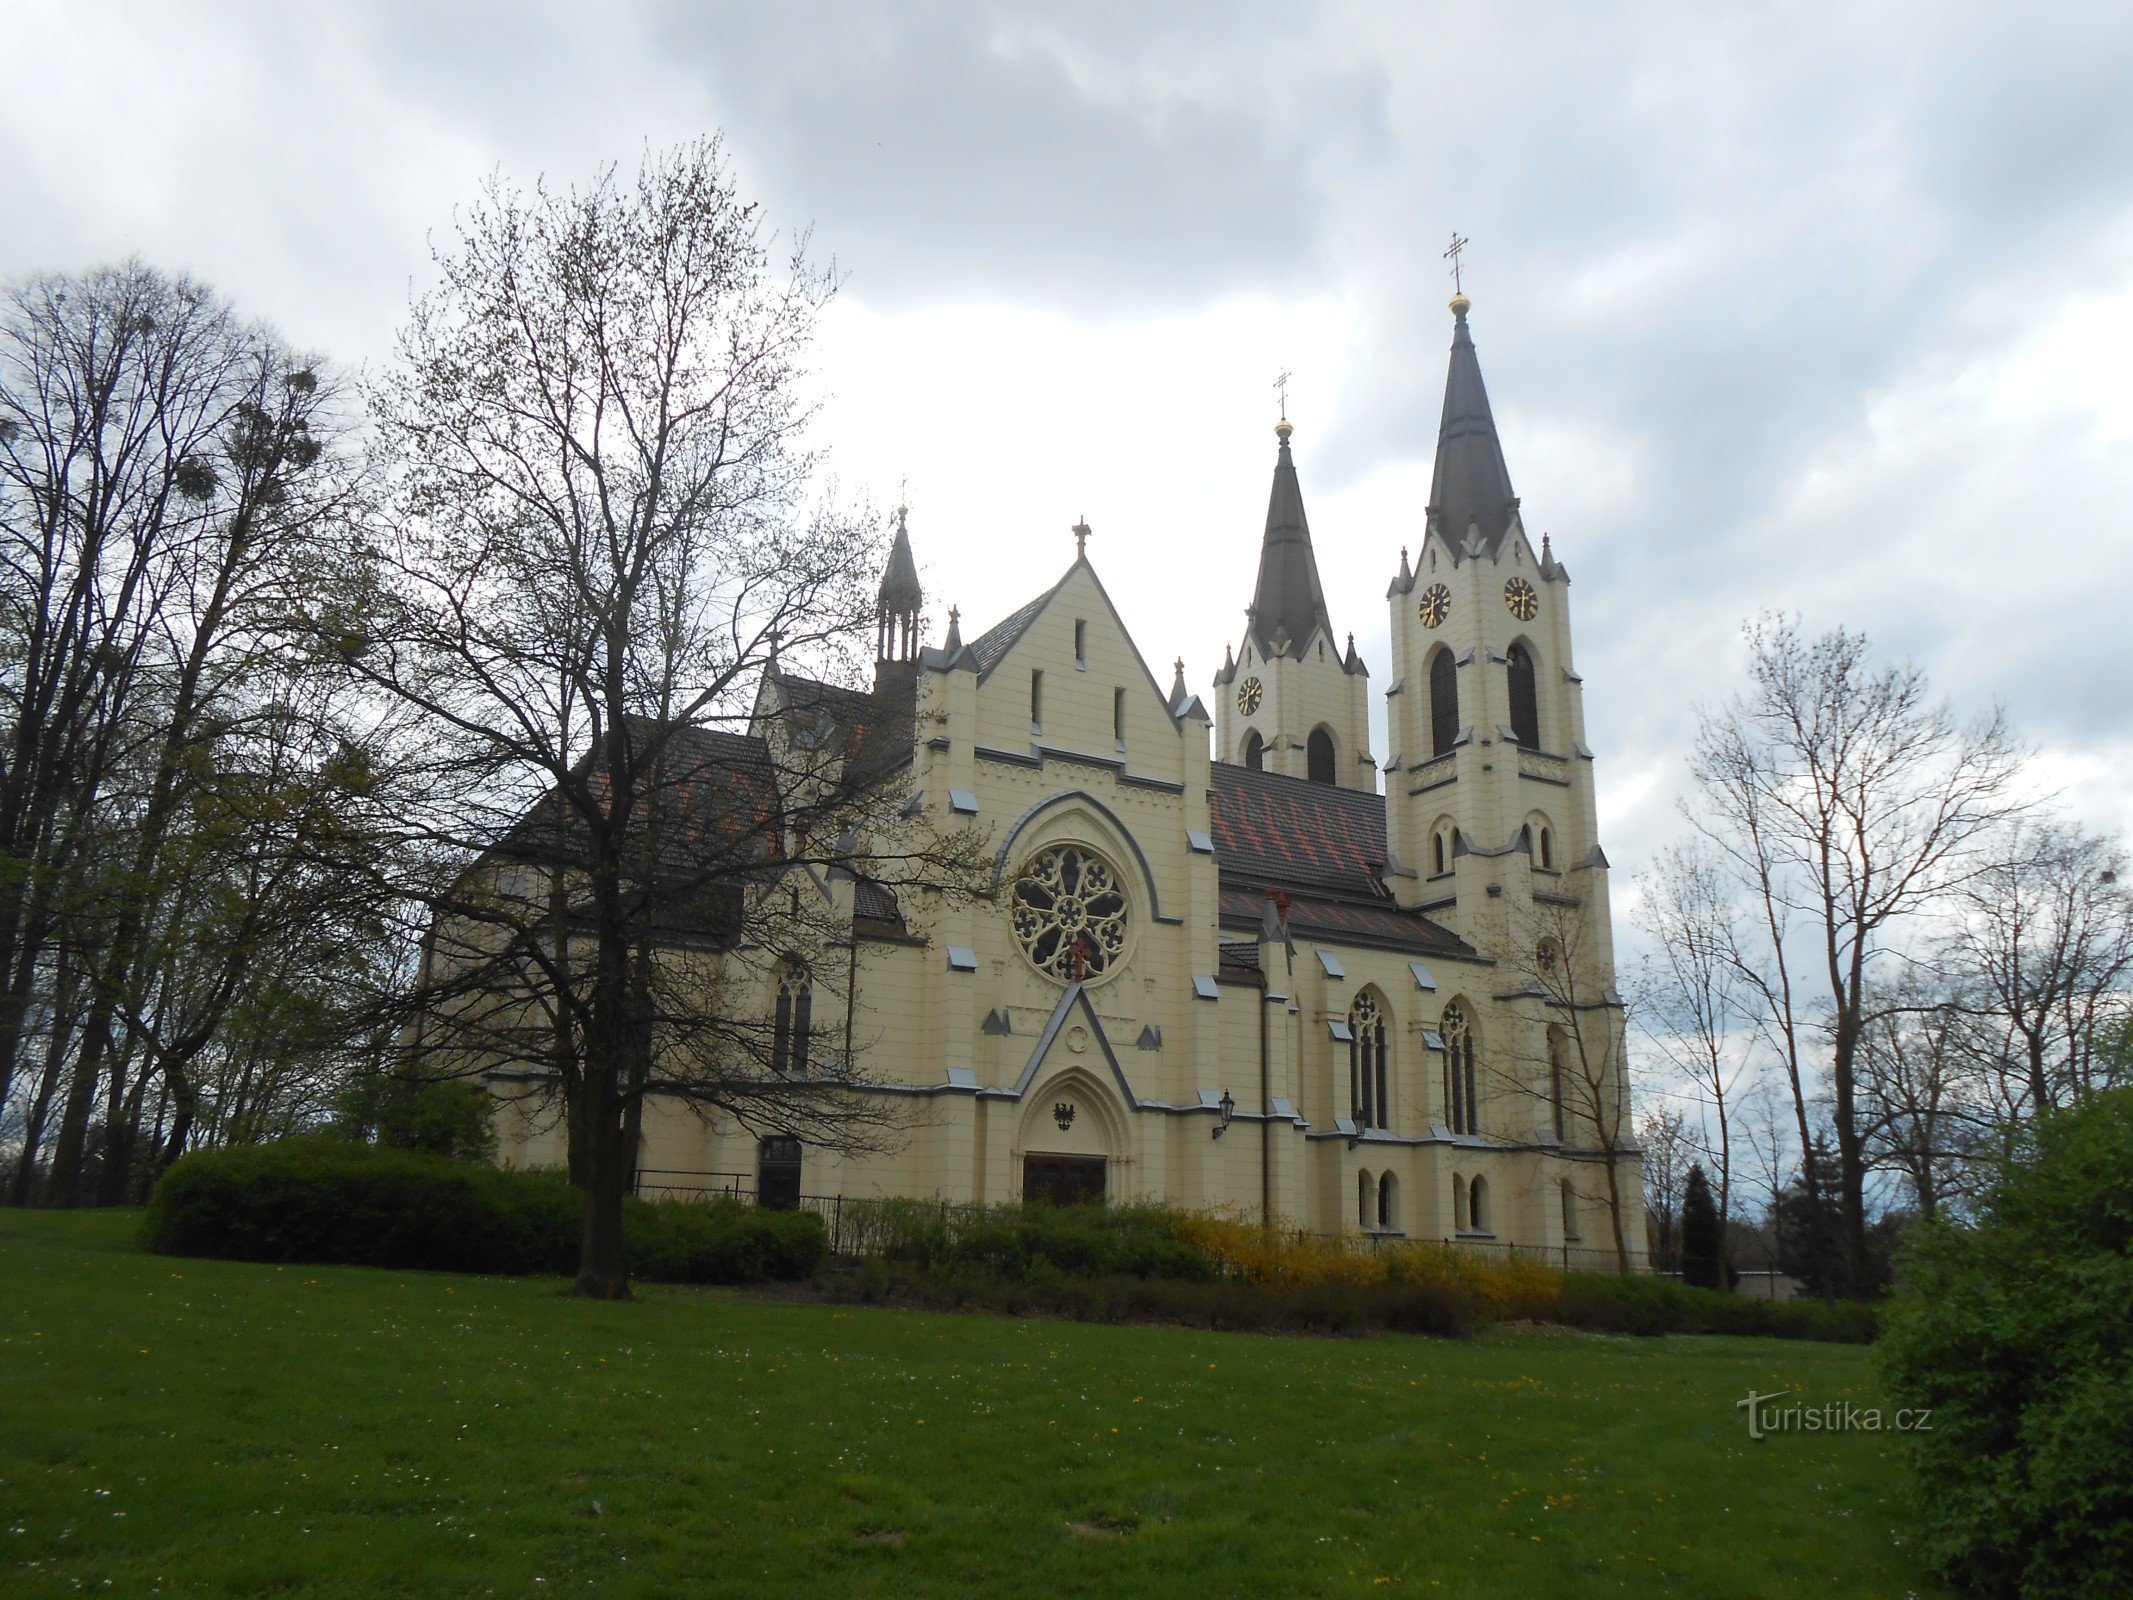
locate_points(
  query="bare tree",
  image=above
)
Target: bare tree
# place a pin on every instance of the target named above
(1668, 1152)
(2045, 941)
(1918, 1088)
(1694, 1005)
(1846, 802)
(167, 482)
(603, 534)
(1580, 1075)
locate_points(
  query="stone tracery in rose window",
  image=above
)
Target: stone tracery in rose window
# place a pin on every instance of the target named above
(1070, 914)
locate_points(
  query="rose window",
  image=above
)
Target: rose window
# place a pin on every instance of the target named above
(1070, 914)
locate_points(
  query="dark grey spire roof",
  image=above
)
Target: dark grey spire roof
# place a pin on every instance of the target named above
(1288, 602)
(900, 592)
(1472, 486)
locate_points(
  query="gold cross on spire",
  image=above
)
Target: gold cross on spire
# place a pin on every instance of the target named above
(1281, 388)
(1452, 255)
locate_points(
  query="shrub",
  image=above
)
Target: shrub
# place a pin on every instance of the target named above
(2017, 1332)
(326, 1200)
(1609, 1303)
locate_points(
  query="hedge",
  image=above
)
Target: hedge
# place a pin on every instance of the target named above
(333, 1201)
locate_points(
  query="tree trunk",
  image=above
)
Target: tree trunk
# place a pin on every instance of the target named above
(603, 1263)
(1851, 1162)
(63, 1186)
(1614, 1212)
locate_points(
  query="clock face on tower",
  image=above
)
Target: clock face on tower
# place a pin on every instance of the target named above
(1436, 605)
(1249, 694)
(1518, 595)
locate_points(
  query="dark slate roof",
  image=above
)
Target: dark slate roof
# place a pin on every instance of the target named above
(721, 817)
(900, 591)
(994, 643)
(1237, 955)
(876, 902)
(1472, 485)
(1288, 603)
(872, 727)
(1322, 847)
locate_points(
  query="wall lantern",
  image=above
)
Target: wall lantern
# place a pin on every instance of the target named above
(1227, 1105)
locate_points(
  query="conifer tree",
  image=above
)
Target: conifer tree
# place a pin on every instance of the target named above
(1703, 1245)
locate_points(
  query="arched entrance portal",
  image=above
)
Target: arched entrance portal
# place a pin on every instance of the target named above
(1070, 1139)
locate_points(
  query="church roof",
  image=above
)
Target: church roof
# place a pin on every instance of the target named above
(990, 646)
(873, 728)
(900, 592)
(723, 818)
(1471, 488)
(1323, 847)
(1288, 603)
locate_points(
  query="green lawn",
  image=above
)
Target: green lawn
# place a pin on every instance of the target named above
(198, 1427)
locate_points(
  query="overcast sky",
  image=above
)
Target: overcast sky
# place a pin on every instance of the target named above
(1821, 308)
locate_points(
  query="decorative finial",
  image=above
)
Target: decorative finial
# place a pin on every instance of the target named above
(1281, 390)
(955, 631)
(1547, 554)
(1282, 430)
(1082, 530)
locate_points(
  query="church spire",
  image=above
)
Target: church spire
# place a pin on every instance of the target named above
(1288, 603)
(1471, 489)
(898, 602)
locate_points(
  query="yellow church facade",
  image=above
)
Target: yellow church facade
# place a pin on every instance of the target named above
(1235, 959)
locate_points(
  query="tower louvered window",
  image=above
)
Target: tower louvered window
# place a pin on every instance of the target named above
(1443, 703)
(1318, 755)
(1525, 697)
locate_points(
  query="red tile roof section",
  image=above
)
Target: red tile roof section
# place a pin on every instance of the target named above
(1324, 848)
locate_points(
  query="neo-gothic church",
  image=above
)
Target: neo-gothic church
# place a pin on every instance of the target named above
(1239, 960)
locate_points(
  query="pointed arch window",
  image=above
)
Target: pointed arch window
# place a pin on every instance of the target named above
(1254, 755)
(1318, 756)
(1367, 1075)
(1362, 1199)
(793, 1023)
(1459, 1099)
(1525, 697)
(1388, 1201)
(1477, 1205)
(1443, 703)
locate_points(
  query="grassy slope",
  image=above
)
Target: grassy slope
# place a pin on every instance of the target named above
(191, 1426)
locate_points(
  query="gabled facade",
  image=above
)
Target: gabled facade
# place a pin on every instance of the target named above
(1240, 979)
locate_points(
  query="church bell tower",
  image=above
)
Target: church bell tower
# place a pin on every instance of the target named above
(1489, 784)
(1291, 699)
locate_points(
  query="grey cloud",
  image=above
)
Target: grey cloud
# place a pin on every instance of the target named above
(1001, 152)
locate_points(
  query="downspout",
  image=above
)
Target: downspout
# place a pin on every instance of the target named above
(851, 979)
(1266, 1117)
